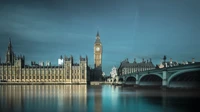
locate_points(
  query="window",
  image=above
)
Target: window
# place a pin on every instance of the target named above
(26, 77)
(56, 77)
(83, 77)
(8, 77)
(82, 71)
(33, 77)
(4, 77)
(37, 77)
(45, 77)
(60, 77)
(49, 77)
(67, 76)
(22, 77)
(13, 77)
(0, 77)
(52, 77)
(40, 77)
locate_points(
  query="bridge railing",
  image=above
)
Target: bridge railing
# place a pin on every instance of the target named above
(179, 67)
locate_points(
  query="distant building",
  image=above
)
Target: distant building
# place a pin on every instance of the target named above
(126, 67)
(171, 63)
(113, 73)
(48, 63)
(103, 74)
(41, 63)
(15, 70)
(60, 61)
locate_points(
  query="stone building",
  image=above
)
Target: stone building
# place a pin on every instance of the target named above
(113, 73)
(15, 70)
(172, 63)
(126, 67)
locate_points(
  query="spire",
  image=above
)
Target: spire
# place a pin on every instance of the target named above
(10, 44)
(164, 58)
(97, 38)
(97, 34)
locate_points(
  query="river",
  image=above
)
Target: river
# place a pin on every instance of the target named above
(85, 98)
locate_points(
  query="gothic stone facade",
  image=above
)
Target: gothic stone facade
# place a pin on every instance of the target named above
(15, 70)
(68, 73)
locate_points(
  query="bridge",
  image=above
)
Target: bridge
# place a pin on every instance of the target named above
(183, 75)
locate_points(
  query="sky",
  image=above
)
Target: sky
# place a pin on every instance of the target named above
(42, 30)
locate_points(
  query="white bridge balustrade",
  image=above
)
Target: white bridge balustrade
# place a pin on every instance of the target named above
(162, 77)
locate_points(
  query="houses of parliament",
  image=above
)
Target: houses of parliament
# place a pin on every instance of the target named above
(14, 68)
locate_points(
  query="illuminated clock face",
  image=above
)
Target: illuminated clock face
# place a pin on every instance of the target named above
(97, 49)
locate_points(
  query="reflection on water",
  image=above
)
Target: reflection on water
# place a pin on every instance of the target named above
(82, 98)
(50, 98)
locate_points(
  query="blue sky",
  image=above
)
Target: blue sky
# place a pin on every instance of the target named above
(43, 30)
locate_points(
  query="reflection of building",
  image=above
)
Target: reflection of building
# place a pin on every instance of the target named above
(113, 73)
(15, 70)
(38, 97)
(126, 67)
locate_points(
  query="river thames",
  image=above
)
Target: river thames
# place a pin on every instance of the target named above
(105, 98)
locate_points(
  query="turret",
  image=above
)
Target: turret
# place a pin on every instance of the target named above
(134, 60)
(143, 60)
(193, 60)
(9, 54)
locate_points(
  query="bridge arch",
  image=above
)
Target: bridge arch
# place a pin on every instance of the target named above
(176, 74)
(121, 79)
(114, 80)
(150, 80)
(130, 79)
(156, 74)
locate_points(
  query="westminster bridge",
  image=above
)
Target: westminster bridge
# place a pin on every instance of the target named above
(177, 76)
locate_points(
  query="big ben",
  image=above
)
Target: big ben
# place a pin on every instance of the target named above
(98, 52)
(98, 49)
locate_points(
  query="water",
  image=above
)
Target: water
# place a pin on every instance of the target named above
(82, 98)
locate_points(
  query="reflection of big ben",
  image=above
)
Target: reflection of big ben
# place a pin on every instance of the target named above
(98, 53)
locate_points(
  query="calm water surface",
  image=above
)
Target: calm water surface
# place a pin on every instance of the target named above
(82, 98)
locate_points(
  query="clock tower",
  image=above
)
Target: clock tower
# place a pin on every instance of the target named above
(98, 53)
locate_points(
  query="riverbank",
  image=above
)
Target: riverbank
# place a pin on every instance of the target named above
(100, 83)
(40, 83)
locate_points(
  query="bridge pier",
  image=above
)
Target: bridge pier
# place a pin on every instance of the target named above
(164, 79)
(137, 79)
